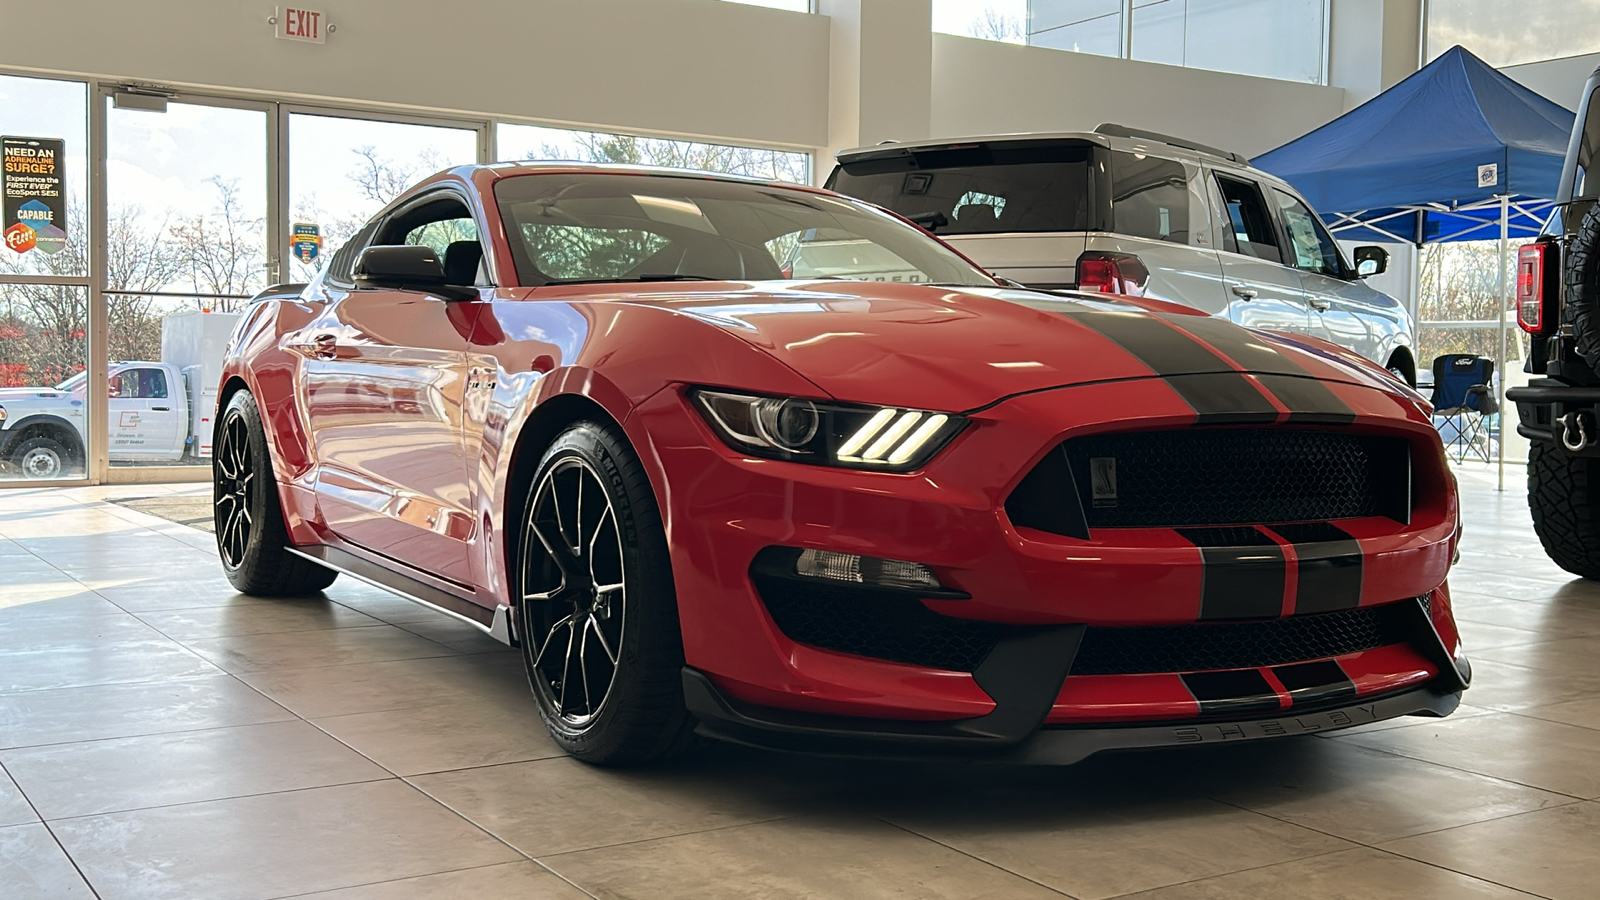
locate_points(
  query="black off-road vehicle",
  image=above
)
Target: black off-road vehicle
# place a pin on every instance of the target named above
(1558, 302)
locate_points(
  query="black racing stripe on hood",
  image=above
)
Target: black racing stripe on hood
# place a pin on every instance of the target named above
(1309, 401)
(1208, 383)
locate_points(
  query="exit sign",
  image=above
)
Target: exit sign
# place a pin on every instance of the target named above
(297, 24)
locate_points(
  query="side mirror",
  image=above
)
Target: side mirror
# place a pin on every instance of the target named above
(1371, 261)
(405, 267)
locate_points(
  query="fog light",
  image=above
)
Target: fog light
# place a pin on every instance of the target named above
(865, 570)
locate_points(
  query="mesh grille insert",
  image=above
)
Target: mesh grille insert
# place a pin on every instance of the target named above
(1242, 645)
(879, 624)
(1238, 476)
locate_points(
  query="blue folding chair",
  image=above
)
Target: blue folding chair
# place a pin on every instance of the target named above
(1463, 397)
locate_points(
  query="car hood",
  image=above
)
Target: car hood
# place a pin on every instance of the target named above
(958, 349)
(30, 393)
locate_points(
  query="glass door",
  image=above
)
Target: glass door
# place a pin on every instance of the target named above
(190, 188)
(44, 281)
(343, 167)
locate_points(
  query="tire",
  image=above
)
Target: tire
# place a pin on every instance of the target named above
(42, 458)
(1582, 276)
(594, 592)
(1564, 497)
(252, 541)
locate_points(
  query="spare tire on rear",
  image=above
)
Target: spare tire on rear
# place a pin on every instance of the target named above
(1582, 280)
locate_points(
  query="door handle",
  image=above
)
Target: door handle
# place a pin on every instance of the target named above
(324, 346)
(1319, 304)
(161, 409)
(1241, 291)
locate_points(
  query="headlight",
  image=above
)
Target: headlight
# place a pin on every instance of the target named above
(829, 434)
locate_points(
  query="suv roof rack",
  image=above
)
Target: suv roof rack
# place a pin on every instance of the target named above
(1111, 129)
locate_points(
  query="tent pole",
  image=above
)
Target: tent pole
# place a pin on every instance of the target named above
(1500, 306)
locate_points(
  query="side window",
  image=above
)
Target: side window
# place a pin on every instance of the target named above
(441, 234)
(139, 384)
(444, 224)
(1249, 219)
(1149, 198)
(1314, 250)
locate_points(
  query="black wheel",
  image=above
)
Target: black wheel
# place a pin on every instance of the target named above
(1564, 497)
(1582, 276)
(597, 612)
(251, 537)
(42, 458)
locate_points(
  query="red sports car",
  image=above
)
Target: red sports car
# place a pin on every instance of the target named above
(775, 466)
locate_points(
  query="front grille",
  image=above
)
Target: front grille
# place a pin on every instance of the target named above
(879, 624)
(1242, 645)
(1236, 476)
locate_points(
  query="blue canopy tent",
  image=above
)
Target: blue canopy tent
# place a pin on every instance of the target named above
(1456, 152)
(1431, 158)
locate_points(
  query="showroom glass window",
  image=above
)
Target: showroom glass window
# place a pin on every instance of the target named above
(1285, 39)
(533, 142)
(1507, 34)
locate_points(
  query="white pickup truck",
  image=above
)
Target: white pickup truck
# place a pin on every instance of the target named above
(156, 411)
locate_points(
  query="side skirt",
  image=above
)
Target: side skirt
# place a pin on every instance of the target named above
(496, 623)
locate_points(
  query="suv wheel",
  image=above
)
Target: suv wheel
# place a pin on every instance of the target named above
(251, 537)
(1564, 497)
(596, 609)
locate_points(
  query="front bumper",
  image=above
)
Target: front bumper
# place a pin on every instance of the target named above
(724, 719)
(723, 510)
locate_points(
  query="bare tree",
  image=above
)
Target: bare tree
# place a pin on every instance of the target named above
(994, 25)
(1459, 282)
(755, 162)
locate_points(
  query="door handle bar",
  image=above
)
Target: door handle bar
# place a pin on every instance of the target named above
(1240, 290)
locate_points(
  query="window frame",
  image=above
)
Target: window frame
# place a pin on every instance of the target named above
(1273, 224)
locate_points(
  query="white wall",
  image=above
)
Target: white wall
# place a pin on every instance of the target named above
(1560, 80)
(1372, 46)
(984, 87)
(691, 67)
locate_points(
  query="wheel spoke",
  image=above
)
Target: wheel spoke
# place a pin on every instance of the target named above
(583, 668)
(566, 671)
(604, 644)
(550, 636)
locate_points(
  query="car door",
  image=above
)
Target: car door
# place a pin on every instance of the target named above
(1324, 277)
(1342, 306)
(384, 380)
(144, 421)
(1261, 291)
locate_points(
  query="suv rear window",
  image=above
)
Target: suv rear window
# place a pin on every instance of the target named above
(978, 190)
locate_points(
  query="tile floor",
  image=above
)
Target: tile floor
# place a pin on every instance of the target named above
(162, 737)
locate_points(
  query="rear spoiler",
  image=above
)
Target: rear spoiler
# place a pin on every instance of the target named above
(1112, 129)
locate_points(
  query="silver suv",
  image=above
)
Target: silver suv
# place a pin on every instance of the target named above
(1129, 211)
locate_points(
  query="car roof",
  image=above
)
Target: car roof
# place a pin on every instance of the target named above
(1115, 137)
(510, 169)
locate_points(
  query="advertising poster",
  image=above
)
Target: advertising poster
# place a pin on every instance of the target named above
(33, 188)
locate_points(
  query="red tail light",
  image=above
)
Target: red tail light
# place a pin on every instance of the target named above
(1535, 314)
(1112, 273)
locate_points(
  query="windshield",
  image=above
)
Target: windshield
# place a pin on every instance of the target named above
(575, 228)
(73, 383)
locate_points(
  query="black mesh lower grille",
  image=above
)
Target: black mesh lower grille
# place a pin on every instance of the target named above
(879, 624)
(1242, 645)
(1236, 476)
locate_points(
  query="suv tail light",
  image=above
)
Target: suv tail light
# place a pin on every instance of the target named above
(1112, 273)
(1534, 299)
